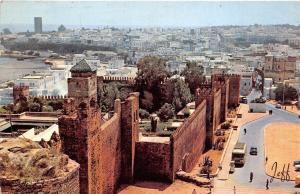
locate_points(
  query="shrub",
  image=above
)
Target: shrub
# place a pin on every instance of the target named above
(166, 112)
(56, 104)
(34, 107)
(47, 109)
(225, 125)
(143, 114)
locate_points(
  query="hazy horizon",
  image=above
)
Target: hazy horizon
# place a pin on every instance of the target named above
(20, 14)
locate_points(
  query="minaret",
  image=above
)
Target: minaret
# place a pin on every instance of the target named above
(80, 121)
(82, 86)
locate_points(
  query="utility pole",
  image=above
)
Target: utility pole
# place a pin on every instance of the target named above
(283, 84)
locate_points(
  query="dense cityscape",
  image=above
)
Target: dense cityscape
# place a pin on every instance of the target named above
(133, 110)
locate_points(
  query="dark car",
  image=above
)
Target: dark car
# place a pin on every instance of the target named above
(232, 166)
(296, 162)
(253, 151)
(243, 100)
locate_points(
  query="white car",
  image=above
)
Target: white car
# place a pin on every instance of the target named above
(278, 106)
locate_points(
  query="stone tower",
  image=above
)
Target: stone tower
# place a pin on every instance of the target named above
(20, 92)
(81, 121)
(83, 84)
(234, 87)
(223, 84)
(213, 109)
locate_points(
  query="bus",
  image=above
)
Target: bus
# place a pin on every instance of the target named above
(238, 154)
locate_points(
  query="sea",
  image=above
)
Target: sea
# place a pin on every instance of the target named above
(11, 68)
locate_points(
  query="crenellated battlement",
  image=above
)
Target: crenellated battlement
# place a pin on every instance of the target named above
(234, 86)
(106, 79)
(59, 97)
(226, 75)
(205, 91)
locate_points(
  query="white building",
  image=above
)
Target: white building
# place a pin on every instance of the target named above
(257, 107)
(269, 88)
(6, 96)
(246, 85)
(45, 84)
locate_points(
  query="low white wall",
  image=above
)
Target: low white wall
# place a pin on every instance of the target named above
(257, 107)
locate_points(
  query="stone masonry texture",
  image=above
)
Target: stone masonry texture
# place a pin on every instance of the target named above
(188, 141)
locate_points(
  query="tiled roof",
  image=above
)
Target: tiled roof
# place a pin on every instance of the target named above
(82, 67)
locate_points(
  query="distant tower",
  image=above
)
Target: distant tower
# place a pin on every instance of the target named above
(38, 25)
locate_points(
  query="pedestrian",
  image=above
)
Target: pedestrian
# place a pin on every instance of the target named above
(266, 159)
(267, 184)
(251, 177)
(234, 190)
(194, 191)
(208, 175)
(245, 131)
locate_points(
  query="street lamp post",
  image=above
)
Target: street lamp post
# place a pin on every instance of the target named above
(283, 84)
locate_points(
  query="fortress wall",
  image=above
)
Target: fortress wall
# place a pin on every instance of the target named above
(153, 161)
(188, 141)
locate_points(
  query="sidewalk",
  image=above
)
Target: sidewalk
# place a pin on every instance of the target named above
(246, 118)
(247, 190)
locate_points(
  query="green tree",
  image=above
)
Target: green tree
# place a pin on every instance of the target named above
(36, 100)
(177, 93)
(6, 31)
(47, 109)
(61, 28)
(290, 93)
(143, 114)
(151, 75)
(146, 100)
(34, 107)
(193, 74)
(56, 104)
(123, 92)
(166, 112)
(109, 94)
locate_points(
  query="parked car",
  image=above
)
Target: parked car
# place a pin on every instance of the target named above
(297, 180)
(253, 151)
(243, 100)
(297, 167)
(278, 106)
(219, 132)
(296, 162)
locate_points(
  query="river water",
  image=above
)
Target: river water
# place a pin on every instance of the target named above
(11, 68)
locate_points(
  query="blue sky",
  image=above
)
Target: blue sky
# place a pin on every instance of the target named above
(155, 13)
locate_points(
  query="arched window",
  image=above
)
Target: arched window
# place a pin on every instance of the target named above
(82, 105)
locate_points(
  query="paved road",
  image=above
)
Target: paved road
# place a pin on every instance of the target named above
(255, 137)
(254, 94)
